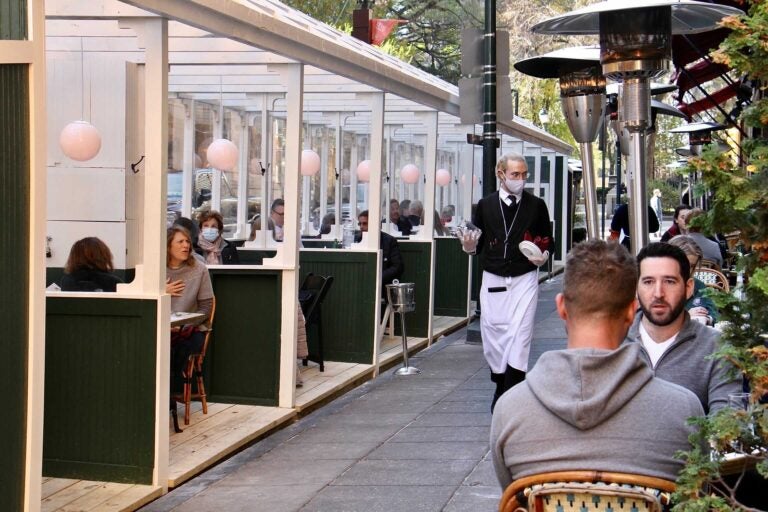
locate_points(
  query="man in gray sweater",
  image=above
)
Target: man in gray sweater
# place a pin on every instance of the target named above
(594, 406)
(677, 348)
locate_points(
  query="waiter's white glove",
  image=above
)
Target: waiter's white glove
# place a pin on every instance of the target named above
(469, 241)
(540, 260)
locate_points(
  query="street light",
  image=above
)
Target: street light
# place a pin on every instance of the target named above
(544, 117)
(635, 46)
(582, 96)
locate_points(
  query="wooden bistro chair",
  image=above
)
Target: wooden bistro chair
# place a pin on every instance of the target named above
(193, 371)
(311, 296)
(595, 491)
(712, 278)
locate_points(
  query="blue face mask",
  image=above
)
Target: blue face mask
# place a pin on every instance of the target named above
(210, 234)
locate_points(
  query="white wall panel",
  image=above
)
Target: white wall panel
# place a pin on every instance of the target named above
(64, 234)
(83, 194)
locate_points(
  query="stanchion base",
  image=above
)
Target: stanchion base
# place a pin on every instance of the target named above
(408, 370)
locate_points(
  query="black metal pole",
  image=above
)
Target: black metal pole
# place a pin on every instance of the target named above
(489, 98)
(605, 191)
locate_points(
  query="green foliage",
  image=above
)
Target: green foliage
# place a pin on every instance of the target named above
(740, 204)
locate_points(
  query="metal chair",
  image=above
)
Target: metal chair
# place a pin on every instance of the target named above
(193, 371)
(596, 491)
(712, 278)
(311, 296)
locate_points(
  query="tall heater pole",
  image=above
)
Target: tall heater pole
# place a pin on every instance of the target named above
(489, 99)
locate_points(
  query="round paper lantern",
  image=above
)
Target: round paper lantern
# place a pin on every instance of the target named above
(364, 171)
(222, 154)
(80, 140)
(409, 174)
(442, 177)
(310, 162)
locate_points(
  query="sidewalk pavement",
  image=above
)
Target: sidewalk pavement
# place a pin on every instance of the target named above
(416, 443)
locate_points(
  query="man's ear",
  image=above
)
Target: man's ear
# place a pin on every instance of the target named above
(560, 304)
(630, 312)
(690, 286)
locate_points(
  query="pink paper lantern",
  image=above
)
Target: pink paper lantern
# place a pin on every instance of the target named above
(310, 162)
(222, 154)
(80, 141)
(442, 177)
(364, 171)
(409, 174)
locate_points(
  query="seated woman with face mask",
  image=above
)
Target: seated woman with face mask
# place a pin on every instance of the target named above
(211, 245)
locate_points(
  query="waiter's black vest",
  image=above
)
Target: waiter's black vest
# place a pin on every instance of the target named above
(491, 244)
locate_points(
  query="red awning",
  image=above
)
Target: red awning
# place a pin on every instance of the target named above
(713, 100)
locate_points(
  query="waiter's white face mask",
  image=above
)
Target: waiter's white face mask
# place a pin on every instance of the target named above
(514, 187)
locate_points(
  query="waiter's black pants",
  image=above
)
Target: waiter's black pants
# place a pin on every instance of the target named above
(504, 381)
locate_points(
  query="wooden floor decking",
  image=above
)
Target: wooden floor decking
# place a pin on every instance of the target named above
(209, 438)
(66, 495)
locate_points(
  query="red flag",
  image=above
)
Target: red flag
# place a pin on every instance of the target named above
(380, 29)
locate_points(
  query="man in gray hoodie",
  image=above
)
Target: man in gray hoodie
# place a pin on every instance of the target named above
(677, 348)
(596, 405)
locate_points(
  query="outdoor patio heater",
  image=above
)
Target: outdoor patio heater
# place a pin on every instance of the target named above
(636, 46)
(582, 96)
(699, 135)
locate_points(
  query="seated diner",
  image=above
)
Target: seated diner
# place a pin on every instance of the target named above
(89, 268)
(211, 243)
(191, 291)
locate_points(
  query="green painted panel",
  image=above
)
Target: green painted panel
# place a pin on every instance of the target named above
(54, 274)
(477, 279)
(13, 19)
(243, 360)
(451, 278)
(349, 307)
(545, 169)
(417, 263)
(14, 253)
(254, 256)
(100, 356)
(319, 244)
(559, 202)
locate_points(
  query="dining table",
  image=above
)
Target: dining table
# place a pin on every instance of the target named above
(183, 318)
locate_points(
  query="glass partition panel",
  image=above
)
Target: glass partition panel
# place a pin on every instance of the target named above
(233, 130)
(256, 169)
(175, 191)
(202, 185)
(404, 179)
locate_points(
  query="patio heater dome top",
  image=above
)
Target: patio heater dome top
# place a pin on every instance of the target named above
(659, 107)
(558, 62)
(688, 16)
(698, 127)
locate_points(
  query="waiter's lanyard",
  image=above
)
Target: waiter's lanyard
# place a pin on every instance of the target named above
(504, 219)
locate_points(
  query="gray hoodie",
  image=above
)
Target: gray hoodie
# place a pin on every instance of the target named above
(591, 409)
(686, 362)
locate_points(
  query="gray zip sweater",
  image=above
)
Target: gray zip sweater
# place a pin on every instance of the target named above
(590, 409)
(687, 363)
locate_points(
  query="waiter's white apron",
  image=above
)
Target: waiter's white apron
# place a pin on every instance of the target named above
(507, 318)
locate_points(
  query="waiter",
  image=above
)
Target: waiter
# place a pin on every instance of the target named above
(510, 285)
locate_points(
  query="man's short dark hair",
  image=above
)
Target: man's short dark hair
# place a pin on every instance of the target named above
(680, 208)
(600, 279)
(277, 202)
(363, 213)
(665, 250)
